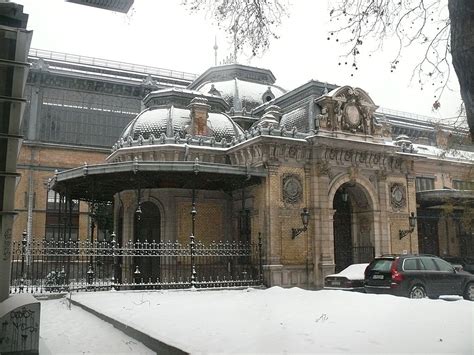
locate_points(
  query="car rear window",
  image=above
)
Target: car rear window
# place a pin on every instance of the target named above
(383, 265)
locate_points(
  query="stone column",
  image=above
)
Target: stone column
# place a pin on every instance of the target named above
(381, 227)
(411, 193)
(272, 230)
(323, 247)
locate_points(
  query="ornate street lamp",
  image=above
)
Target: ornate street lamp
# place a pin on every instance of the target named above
(305, 219)
(412, 223)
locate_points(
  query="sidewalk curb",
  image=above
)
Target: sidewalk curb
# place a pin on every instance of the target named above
(154, 344)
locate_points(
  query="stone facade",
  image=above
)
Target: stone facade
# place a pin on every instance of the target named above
(319, 148)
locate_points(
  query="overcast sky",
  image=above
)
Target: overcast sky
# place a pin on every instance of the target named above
(163, 34)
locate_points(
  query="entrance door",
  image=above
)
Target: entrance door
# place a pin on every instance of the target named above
(427, 224)
(342, 233)
(147, 231)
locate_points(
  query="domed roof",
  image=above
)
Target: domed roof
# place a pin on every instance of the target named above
(240, 94)
(171, 121)
(242, 87)
(297, 118)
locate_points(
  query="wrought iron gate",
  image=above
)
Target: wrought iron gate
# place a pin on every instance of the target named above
(51, 266)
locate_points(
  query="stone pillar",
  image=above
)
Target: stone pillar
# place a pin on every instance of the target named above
(32, 132)
(323, 250)
(411, 199)
(273, 267)
(14, 47)
(381, 227)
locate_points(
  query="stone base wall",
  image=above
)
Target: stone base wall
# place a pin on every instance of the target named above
(288, 275)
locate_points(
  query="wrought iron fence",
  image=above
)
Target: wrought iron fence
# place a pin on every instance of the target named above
(51, 266)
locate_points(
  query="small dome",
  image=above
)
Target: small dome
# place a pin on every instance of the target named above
(242, 87)
(172, 121)
(240, 94)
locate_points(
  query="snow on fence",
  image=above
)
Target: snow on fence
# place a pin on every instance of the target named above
(53, 266)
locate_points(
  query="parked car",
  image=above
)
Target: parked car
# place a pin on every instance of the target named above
(466, 263)
(351, 278)
(417, 276)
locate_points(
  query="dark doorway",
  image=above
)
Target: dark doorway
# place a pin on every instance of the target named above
(148, 231)
(427, 224)
(342, 231)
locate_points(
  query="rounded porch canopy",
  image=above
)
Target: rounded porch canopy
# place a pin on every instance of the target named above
(102, 181)
(431, 198)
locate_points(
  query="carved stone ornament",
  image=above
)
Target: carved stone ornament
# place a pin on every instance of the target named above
(292, 189)
(352, 115)
(398, 196)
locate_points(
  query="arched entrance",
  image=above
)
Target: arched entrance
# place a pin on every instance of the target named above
(352, 226)
(147, 231)
(342, 231)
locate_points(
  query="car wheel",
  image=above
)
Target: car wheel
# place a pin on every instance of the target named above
(417, 291)
(469, 293)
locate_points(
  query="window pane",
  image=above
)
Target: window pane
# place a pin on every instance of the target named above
(443, 265)
(410, 264)
(428, 263)
(424, 183)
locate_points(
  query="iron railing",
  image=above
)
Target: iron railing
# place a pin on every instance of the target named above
(112, 64)
(51, 266)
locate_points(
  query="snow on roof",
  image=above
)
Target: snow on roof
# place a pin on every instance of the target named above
(246, 90)
(446, 154)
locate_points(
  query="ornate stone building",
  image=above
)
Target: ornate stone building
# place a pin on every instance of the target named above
(251, 158)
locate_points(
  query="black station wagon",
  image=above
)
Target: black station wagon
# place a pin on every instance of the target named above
(417, 276)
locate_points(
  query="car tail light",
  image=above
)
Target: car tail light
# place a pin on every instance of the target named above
(396, 276)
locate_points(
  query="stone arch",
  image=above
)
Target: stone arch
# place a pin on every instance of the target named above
(147, 230)
(150, 220)
(354, 228)
(368, 189)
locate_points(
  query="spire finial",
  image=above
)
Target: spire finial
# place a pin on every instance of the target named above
(215, 50)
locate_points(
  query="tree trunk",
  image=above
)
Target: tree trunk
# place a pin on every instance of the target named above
(461, 14)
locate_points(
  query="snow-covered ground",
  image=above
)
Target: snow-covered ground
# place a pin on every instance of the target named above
(67, 330)
(280, 320)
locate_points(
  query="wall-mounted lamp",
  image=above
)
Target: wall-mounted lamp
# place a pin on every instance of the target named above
(344, 195)
(412, 223)
(139, 211)
(305, 219)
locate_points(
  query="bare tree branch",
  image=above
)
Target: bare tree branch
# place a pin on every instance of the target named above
(248, 23)
(423, 23)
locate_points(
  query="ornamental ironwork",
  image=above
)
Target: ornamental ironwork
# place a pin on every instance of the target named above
(40, 266)
(292, 189)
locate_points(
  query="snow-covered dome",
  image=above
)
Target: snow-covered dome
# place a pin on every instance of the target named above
(169, 114)
(173, 121)
(242, 87)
